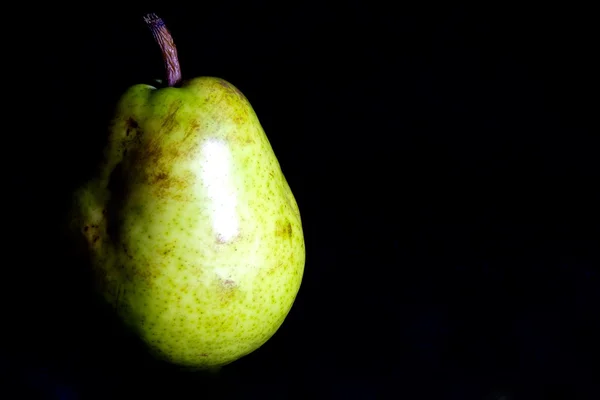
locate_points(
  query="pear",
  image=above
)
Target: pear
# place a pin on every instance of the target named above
(193, 234)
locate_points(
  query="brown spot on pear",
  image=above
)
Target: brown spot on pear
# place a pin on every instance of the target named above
(283, 229)
(227, 290)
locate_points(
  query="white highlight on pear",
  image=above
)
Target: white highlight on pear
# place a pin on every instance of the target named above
(215, 170)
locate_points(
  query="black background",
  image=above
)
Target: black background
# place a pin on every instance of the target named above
(444, 160)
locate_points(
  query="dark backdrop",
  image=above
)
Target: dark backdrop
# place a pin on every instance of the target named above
(444, 160)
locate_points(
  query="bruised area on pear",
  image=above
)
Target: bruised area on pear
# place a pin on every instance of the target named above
(194, 234)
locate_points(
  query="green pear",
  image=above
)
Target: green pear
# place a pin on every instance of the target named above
(193, 233)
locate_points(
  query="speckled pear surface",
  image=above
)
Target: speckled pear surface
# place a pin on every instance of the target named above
(194, 234)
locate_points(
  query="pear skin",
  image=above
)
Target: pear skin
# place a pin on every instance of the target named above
(193, 233)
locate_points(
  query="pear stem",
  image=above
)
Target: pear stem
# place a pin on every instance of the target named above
(167, 47)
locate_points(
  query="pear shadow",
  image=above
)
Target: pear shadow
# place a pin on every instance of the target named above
(117, 188)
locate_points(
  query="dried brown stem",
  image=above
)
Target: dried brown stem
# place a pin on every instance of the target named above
(167, 46)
